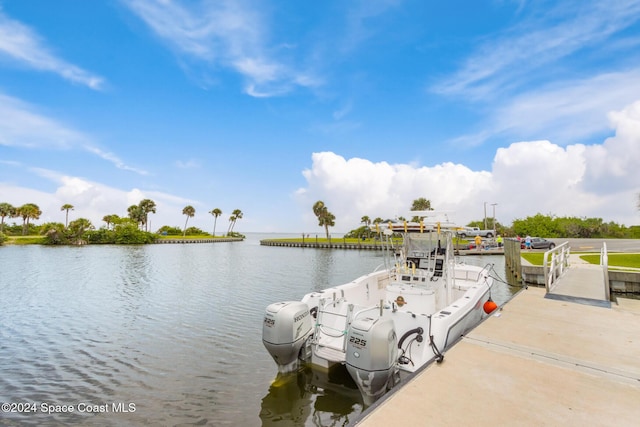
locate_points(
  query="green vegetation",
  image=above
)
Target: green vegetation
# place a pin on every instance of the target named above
(420, 204)
(615, 260)
(25, 240)
(570, 227)
(325, 218)
(189, 211)
(66, 207)
(166, 230)
(550, 226)
(216, 213)
(535, 258)
(190, 237)
(132, 229)
(235, 216)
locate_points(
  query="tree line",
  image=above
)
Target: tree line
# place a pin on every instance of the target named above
(133, 228)
(538, 225)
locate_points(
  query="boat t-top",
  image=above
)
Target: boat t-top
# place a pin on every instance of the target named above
(387, 324)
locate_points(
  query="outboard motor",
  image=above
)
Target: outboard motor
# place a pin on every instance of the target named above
(285, 329)
(372, 351)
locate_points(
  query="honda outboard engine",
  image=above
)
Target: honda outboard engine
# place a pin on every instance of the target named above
(372, 351)
(285, 330)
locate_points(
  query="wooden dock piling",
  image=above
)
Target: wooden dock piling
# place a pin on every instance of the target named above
(512, 258)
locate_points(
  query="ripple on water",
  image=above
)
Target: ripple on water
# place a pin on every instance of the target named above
(175, 329)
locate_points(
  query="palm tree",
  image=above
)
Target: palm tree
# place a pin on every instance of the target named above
(189, 211)
(135, 213)
(216, 213)
(235, 216)
(365, 220)
(377, 222)
(53, 232)
(420, 204)
(325, 218)
(28, 211)
(232, 219)
(78, 227)
(6, 210)
(110, 219)
(147, 206)
(318, 208)
(66, 207)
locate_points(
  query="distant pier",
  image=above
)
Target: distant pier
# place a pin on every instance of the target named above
(326, 245)
(337, 244)
(212, 240)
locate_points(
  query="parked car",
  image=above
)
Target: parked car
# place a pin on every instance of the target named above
(474, 231)
(538, 243)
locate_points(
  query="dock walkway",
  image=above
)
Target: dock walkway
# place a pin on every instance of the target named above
(537, 362)
(583, 281)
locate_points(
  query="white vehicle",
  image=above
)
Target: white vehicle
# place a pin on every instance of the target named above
(474, 231)
(387, 324)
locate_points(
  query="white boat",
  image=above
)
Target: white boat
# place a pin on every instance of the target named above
(387, 324)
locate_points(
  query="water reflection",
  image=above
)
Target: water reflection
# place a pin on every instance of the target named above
(176, 329)
(311, 397)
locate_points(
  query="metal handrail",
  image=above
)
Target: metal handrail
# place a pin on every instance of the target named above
(604, 263)
(488, 268)
(555, 262)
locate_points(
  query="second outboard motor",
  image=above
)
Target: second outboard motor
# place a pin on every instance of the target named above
(372, 351)
(285, 329)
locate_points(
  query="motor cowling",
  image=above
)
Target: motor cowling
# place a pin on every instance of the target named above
(372, 351)
(285, 329)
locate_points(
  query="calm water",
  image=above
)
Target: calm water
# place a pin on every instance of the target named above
(165, 334)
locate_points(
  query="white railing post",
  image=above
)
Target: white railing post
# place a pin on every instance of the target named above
(604, 263)
(555, 262)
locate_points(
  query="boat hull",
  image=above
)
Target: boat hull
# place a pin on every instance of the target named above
(386, 323)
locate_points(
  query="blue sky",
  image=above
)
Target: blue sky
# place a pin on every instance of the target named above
(267, 107)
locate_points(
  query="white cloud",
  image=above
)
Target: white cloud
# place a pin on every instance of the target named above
(356, 187)
(530, 177)
(343, 111)
(520, 54)
(527, 177)
(359, 25)
(188, 164)
(92, 200)
(110, 157)
(561, 54)
(229, 33)
(22, 44)
(616, 161)
(21, 126)
(568, 111)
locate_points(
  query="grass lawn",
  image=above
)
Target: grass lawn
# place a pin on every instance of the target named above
(38, 240)
(615, 259)
(24, 240)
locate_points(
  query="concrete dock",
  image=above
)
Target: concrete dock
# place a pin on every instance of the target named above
(536, 362)
(582, 281)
